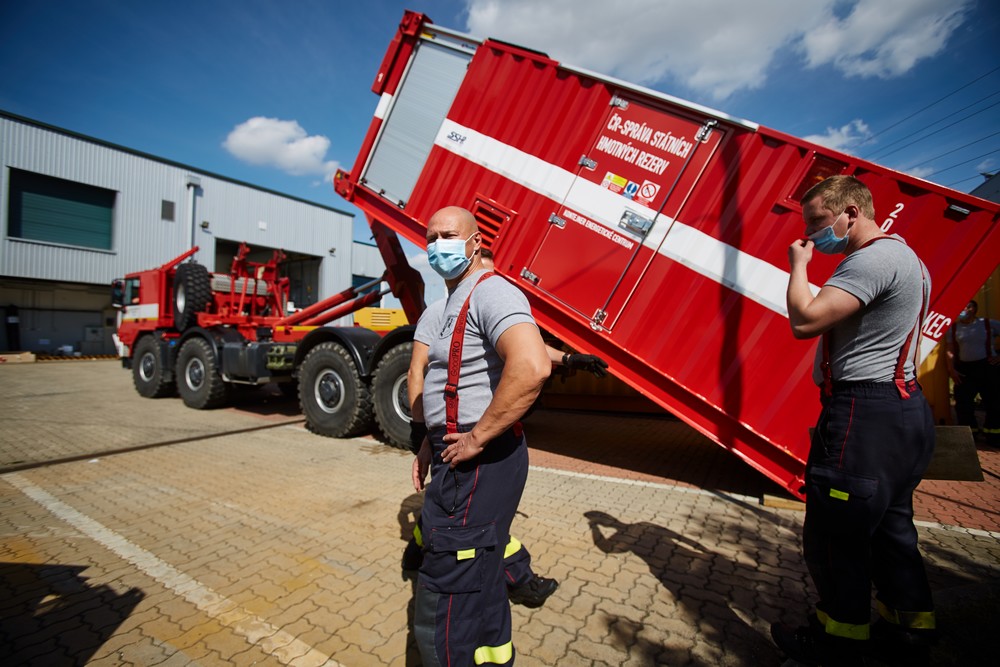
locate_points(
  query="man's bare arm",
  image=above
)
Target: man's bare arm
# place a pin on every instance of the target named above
(526, 367)
(415, 380)
(811, 316)
(415, 394)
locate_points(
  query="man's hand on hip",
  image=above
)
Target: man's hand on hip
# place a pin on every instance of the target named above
(461, 447)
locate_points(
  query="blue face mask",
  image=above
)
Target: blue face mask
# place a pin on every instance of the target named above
(828, 242)
(447, 257)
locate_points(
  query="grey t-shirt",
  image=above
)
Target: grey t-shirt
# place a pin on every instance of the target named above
(890, 280)
(496, 306)
(971, 338)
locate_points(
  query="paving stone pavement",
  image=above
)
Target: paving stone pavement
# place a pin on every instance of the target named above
(139, 532)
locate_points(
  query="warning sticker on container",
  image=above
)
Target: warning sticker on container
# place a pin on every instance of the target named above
(646, 193)
(614, 182)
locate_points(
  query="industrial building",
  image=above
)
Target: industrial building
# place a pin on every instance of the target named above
(78, 212)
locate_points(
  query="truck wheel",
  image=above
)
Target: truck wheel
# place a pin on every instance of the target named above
(334, 399)
(198, 381)
(192, 294)
(147, 370)
(392, 404)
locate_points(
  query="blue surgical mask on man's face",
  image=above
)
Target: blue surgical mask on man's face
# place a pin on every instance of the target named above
(447, 257)
(827, 241)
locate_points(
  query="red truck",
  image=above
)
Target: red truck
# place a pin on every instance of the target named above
(643, 228)
(184, 330)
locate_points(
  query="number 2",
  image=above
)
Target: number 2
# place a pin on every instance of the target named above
(892, 217)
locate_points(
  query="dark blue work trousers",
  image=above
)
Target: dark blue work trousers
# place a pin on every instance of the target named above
(462, 615)
(868, 453)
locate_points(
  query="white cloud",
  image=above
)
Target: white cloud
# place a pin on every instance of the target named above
(921, 172)
(987, 166)
(845, 138)
(884, 38)
(280, 143)
(718, 47)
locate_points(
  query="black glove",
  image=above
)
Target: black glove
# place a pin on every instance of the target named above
(587, 362)
(418, 431)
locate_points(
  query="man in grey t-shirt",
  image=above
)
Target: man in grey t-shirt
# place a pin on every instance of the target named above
(475, 450)
(874, 438)
(974, 366)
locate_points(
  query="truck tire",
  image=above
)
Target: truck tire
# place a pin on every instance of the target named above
(192, 294)
(392, 405)
(334, 399)
(198, 381)
(147, 370)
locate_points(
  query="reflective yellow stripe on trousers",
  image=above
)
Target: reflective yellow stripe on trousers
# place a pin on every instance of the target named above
(512, 547)
(838, 629)
(497, 655)
(913, 620)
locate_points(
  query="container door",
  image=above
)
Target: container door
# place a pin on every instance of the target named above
(644, 162)
(418, 108)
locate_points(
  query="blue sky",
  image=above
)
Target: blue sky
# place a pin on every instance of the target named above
(277, 93)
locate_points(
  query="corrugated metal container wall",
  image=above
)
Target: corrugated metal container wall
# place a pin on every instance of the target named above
(664, 248)
(141, 238)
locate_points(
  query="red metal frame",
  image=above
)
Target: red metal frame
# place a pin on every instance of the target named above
(242, 307)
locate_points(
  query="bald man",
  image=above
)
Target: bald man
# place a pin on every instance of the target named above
(485, 365)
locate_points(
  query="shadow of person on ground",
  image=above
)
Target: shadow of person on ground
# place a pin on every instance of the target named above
(689, 572)
(409, 513)
(967, 603)
(39, 598)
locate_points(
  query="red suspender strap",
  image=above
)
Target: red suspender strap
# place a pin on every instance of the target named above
(455, 362)
(899, 377)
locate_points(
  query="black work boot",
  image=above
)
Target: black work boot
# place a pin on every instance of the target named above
(810, 645)
(534, 592)
(896, 645)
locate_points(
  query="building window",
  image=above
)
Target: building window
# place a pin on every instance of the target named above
(167, 210)
(359, 281)
(53, 210)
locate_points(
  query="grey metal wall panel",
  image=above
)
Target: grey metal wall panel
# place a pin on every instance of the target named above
(140, 238)
(366, 260)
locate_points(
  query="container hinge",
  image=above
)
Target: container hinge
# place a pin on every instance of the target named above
(598, 319)
(587, 162)
(706, 131)
(556, 220)
(619, 102)
(529, 276)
